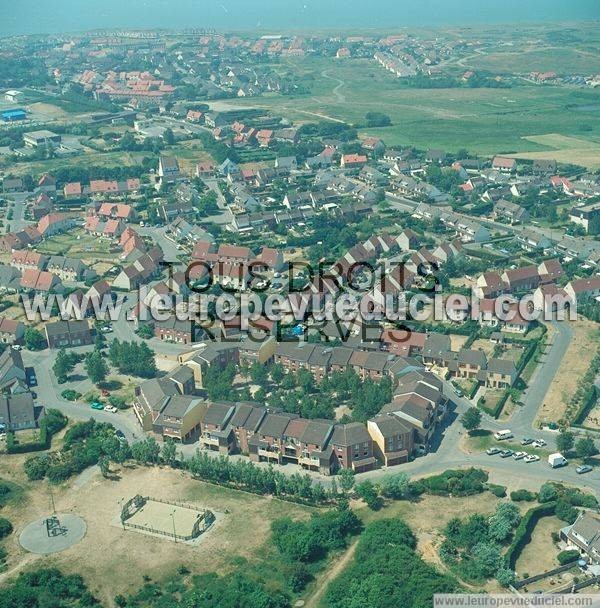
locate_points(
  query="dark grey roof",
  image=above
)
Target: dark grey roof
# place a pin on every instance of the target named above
(350, 434)
(390, 425)
(502, 366)
(17, 410)
(219, 413)
(179, 405)
(472, 357)
(247, 416)
(317, 432)
(58, 328)
(274, 425)
(436, 344)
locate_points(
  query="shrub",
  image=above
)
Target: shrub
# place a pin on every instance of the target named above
(454, 482)
(565, 557)
(548, 493)
(565, 511)
(5, 527)
(522, 495)
(70, 395)
(496, 490)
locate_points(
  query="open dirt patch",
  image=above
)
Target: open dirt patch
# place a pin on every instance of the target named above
(575, 364)
(100, 556)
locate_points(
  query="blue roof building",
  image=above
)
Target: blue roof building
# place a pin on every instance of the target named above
(12, 115)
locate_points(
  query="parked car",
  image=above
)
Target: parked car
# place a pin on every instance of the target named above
(539, 443)
(96, 406)
(531, 458)
(519, 455)
(583, 468)
(458, 392)
(526, 441)
(105, 393)
(17, 347)
(502, 435)
(506, 453)
(492, 451)
(32, 381)
(119, 434)
(110, 409)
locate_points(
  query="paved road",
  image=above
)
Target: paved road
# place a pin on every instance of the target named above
(49, 391)
(539, 384)
(445, 454)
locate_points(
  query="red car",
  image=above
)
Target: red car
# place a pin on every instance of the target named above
(105, 393)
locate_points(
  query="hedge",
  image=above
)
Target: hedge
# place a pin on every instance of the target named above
(525, 528)
(566, 557)
(44, 442)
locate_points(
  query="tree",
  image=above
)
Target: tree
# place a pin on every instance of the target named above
(146, 451)
(585, 448)
(277, 373)
(565, 441)
(168, 136)
(5, 527)
(506, 577)
(95, 367)
(258, 373)
(377, 119)
(346, 478)
(547, 493)
(367, 491)
(169, 452)
(34, 339)
(63, 364)
(471, 419)
(396, 486)
(104, 464)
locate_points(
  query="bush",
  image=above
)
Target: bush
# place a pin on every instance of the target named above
(548, 493)
(566, 557)
(70, 395)
(565, 511)
(453, 482)
(5, 527)
(496, 490)
(522, 496)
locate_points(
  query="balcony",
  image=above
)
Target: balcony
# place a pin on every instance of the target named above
(208, 440)
(307, 461)
(268, 454)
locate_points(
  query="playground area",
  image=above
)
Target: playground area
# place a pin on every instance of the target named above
(174, 520)
(53, 534)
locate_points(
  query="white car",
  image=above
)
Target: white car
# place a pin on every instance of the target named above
(539, 443)
(519, 455)
(531, 458)
(110, 409)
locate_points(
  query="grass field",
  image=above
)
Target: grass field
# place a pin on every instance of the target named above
(564, 149)
(485, 121)
(540, 554)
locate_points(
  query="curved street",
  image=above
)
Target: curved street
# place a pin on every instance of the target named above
(447, 452)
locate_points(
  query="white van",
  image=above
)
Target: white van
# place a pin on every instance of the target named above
(501, 435)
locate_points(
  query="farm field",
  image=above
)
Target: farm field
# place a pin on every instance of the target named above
(485, 121)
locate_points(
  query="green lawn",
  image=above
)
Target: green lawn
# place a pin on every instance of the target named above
(485, 121)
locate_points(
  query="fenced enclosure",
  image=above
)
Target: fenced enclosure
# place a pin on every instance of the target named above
(171, 519)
